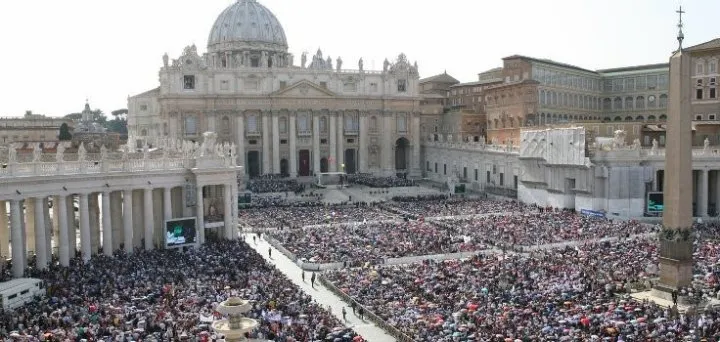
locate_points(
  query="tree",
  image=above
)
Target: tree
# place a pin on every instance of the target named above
(119, 123)
(64, 133)
(98, 116)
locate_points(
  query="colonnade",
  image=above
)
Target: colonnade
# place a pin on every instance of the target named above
(105, 221)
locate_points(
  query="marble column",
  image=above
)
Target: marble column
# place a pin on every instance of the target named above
(240, 140)
(387, 145)
(363, 148)
(4, 232)
(116, 219)
(48, 229)
(293, 146)
(41, 260)
(63, 236)
(167, 204)
(340, 149)
(56, 223)
(128, 221)
(702, 190)
(227, 213)
(107, 243)
(85, 243)
(415, 168)
(72, 227)
(18, 259)
(266, 143)
(29, 227)
(149, 217)
(316, 143)
(275, 143)
(200, 213)
(94, 207)
(332, 163)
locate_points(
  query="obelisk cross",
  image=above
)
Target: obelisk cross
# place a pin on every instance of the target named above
(680, 36)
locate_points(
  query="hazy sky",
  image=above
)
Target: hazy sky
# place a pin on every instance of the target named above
(57, 53)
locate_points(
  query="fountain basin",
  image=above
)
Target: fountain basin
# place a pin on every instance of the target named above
(234, 306)
(246, 325)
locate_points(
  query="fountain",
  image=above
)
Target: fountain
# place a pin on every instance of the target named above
(235, 327)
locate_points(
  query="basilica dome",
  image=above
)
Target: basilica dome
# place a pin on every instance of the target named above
(247, 24)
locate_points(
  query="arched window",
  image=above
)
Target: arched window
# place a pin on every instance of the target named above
(640, 102)
(143, 133)
(651, 118)
(663, 117)
(663, 101)
(554, 99)
(225, 125)
(252, 124)
(617, 103)
(542, 97)
(651, 101)
(373, 124)
(628, 118)
(629, 103)
(640, 118)
(617, 118)
(607, 103)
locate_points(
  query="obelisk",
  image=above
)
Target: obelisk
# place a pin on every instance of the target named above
(676, 238)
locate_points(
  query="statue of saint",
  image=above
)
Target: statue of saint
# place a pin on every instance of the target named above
(37, 152)
(361, 64)
(82, 153)
(386, 65)
(103, 152)
(166, 60)
(60, 152)
(303, 59)
(339, 64)
(12, 154)
(329, 63)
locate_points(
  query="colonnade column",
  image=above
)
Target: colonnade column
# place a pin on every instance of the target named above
(293, 146)
(362, 153)
(116, 219)
(316, 143)
(387, 145)
(149, 217)
(275, 143)
(266, 143)
(128, 221)
(702, 193)
(4, 232)
(340, 153)
(29, 229)
(107, 243)
(48, 229)
(227, 199)
(94, 210)
(72, 229)
(717, 193)
(200, 213)
(240, 143)
(41, 260)
(18, 259)
(64, 240)
(167, 204)
(85, 244)
(332, 149)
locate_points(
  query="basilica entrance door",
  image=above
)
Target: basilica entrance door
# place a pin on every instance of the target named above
(304, 169)
(284, 167)
(350, 161)
(323, 165)
(253, 162)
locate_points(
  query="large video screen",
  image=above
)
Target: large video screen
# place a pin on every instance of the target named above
(180, 232)
(655, 202)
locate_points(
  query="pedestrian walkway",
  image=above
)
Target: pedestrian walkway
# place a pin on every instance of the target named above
(320, 294)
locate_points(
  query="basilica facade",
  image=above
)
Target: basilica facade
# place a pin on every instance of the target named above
(289, 117)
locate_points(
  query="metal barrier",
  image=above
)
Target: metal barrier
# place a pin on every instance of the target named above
(394, 332)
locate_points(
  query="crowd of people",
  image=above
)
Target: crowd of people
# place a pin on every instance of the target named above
(168, 295)
(274, 183)
(443, 205)
(576, 293)
(379, 182)
(301, 214)
(372, 241)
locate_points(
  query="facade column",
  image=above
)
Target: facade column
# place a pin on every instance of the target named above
(332, 163)
(363, 140)
(266, 143)
(200, 213)
(234, 210)
(702, 193)
(293, 146)
(29, 227)
(116, 219)
(72, 228)
(18, 259)
(149, 217)
(85, 243)
(167, 204)
(415, 167)
(63, 238)
(387, 145)
(94, 207)
(228, 212)
(128, 221)
(4, 232)
(107, 243)
(240, 143)
(41, 260)
(340, 153)
(316, 143)
(275, 144)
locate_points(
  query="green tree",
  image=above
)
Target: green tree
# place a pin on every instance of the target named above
(119, 123)
(64, 134)
(98, 116)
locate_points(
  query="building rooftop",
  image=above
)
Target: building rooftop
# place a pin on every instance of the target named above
(713, 44)
(549, 61)
(440, 78)
(476, 83)
(635, 68)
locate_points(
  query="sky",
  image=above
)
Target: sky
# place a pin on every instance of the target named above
(58, 53)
